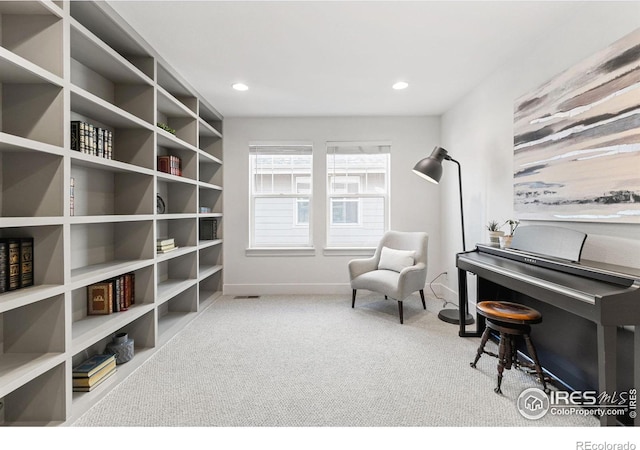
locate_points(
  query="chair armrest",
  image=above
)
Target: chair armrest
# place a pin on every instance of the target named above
(413, 278)
(359, 266)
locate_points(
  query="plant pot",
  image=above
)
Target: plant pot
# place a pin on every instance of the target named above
(505, 241)
(494, 238)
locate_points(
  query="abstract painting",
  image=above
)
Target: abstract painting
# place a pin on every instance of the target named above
(577, 141)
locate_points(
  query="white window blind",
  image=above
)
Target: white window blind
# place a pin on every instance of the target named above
(358, 193)
(280, 193)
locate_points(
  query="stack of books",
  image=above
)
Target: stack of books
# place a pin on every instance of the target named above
(92, 372)
(113, 295)
(165, 245)
(90, 139)
(16, 263)
(170, 164)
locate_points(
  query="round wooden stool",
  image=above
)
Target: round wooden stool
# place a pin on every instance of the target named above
(510, 320)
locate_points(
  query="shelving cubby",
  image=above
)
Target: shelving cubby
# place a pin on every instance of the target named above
(110, 188)
(88, 329)
(179, 196)
(102, 250)
(31, 183)
(33, 30)
(176, 312)
(210, 196)
(28, 360)
(176, 275)
(142, 329)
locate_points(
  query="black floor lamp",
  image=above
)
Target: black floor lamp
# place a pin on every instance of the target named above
(431, 170)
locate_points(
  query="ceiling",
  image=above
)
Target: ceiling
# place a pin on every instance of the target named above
(339, 58)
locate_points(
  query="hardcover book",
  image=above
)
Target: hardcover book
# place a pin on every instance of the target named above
(100, 298)
(96, 377)
(90, 366)
(4, 256)
(13, 264)
(93, 386)
(26, 262)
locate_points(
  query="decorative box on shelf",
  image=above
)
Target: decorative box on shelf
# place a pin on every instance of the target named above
(208, 229)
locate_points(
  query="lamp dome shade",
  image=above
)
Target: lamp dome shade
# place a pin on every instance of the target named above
(431, 168)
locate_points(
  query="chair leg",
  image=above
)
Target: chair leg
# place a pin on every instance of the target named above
(424, 305)
(353, 299)
(400, 311)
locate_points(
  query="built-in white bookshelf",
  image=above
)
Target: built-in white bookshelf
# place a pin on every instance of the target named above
(64, 62)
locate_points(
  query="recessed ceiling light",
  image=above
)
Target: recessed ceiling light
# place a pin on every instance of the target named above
(400, 85)
(240, 87)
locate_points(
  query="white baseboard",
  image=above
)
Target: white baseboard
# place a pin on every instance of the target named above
(287, 289)
(319, 289)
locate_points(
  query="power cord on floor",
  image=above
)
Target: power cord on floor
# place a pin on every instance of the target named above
(445, 302)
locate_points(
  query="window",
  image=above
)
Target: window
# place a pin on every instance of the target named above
(358, 193)
(280, 194)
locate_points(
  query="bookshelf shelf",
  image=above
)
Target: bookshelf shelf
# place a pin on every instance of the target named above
(25, 296)
(63, 62)
(11, 143)
(207, 130)
(16, 69)
(91, 52)
(87, 160)
(91, 329)
(168, 140)
(180, 251)
(94, 273)
(205, 244)
(93, 107)
(207, 271)
(172, 287)
(206, 158)
(170, 106)
(17, 369)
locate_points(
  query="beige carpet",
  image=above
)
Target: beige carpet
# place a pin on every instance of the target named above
(306, 361)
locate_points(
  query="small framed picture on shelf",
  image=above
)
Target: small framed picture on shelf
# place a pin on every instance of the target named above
(160, 205)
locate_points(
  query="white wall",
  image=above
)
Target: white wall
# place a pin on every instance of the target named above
(478, 132)
(414, 202)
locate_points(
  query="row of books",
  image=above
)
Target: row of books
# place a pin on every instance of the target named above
(165, 245)
(16, 263)
(93, 371)
(113, 295)
(170, 164)
(87, 138)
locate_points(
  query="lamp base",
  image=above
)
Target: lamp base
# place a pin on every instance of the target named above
(453, 316)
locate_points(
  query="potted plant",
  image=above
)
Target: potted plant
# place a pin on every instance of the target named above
(494, 232)
(505, 241)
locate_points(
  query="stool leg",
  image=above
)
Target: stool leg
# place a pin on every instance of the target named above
(483, 342)
(536, 363)
(501, 359)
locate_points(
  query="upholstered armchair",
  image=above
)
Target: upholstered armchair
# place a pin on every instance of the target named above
(397, 269)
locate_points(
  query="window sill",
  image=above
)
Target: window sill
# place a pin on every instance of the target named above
(280, 251)
(349, 251)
